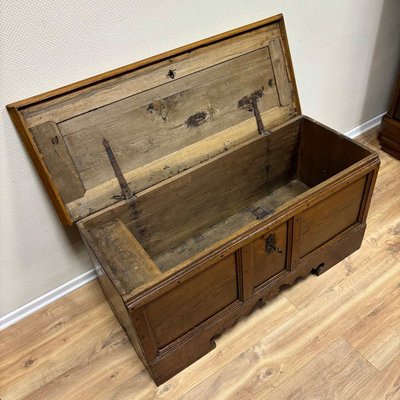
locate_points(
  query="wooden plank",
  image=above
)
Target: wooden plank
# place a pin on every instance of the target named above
(165, 119)
(120, 252)
(280, 72)
(182, 206)
(376, 337)
(58, 161)
(74, 337)
(148, 61)
(290, 69)
(152, 75)
(336, 373)
(227, 227)
(83, 329)
(282, 154)
(46, 324)
(203, 196)
(385, 385)
(112, 366)
(176, 162)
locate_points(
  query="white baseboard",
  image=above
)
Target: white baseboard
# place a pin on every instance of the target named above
(366, 126)
(42, 301)
(83, 279)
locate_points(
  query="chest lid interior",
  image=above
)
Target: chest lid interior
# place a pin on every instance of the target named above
(160, 116)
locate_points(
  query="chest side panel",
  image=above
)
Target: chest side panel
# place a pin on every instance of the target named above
(331, 216)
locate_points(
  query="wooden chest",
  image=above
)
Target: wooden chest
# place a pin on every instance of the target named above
(199, 188)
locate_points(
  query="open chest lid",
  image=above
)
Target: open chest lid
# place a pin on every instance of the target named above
(160, 116)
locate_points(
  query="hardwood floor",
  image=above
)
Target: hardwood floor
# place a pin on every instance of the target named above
(336, 336)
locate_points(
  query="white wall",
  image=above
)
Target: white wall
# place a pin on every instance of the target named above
(345, 55)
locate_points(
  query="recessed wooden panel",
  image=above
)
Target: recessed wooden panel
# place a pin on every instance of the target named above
(267, 262)
(157, 122)
(193, 301)
(331, 216)
(148, 74)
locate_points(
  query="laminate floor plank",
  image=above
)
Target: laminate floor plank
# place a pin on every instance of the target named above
(81, 327)
(385, 385)
(48, 322)
(97, 377)
(377, 336)
(336, 373)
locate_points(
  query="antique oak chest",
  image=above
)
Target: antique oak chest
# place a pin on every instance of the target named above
(197, 185)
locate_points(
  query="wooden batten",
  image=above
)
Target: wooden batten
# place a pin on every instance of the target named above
(161, 116)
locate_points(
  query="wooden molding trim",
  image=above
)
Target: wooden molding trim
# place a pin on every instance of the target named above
(44, 174)
(147, 61)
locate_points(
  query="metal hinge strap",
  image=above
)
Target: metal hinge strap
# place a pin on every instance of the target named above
(126, 192)
(260, 124)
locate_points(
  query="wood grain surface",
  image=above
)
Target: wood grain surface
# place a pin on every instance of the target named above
(130, 265)
(335, 336)
(152, 108)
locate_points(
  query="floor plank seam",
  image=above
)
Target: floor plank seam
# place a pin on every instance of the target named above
(303, 365)
(362, 356)
(332, 343)
(395, 293)
(291, 302)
